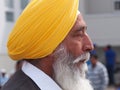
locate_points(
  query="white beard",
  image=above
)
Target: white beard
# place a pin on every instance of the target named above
(69, 75)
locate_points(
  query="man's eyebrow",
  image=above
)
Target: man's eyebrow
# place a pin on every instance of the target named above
(81, 28)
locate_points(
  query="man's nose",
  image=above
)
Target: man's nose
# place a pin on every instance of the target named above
(87, 44)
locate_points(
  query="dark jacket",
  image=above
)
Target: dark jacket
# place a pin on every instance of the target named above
(20, 81)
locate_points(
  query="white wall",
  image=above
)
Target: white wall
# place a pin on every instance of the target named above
(17, 10)
(5, 29)
(99, 6)
(104, 29)
(82, 6)
(7, 63)
(2, 22)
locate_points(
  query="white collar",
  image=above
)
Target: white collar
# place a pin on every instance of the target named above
(43, 81)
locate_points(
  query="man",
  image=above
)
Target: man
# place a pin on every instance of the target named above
(97, 74)
(51, 37)
(110, 56)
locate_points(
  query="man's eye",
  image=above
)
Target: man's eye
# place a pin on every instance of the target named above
(79, 35)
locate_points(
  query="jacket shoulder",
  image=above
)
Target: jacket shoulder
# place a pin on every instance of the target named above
(20, 81)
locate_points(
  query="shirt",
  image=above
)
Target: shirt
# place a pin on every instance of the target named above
(98, 76)
(43, 81)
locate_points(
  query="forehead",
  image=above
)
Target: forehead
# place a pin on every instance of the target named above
(79, 23)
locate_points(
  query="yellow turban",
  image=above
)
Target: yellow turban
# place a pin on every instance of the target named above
(41, 27)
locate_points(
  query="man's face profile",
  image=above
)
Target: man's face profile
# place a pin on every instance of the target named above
(71, 55)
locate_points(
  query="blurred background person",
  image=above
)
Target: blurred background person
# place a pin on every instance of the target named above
(3, 77)
(110, 56)
(97, 74)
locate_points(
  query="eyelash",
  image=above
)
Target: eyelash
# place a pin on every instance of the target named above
(81, 34)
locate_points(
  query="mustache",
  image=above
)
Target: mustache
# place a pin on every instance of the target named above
(84, 56)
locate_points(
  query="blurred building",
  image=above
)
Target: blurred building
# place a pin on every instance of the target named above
(102, 18)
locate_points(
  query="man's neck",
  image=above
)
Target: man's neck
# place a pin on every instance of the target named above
(44, 64)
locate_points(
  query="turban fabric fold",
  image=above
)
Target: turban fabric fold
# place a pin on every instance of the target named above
(41, 27)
